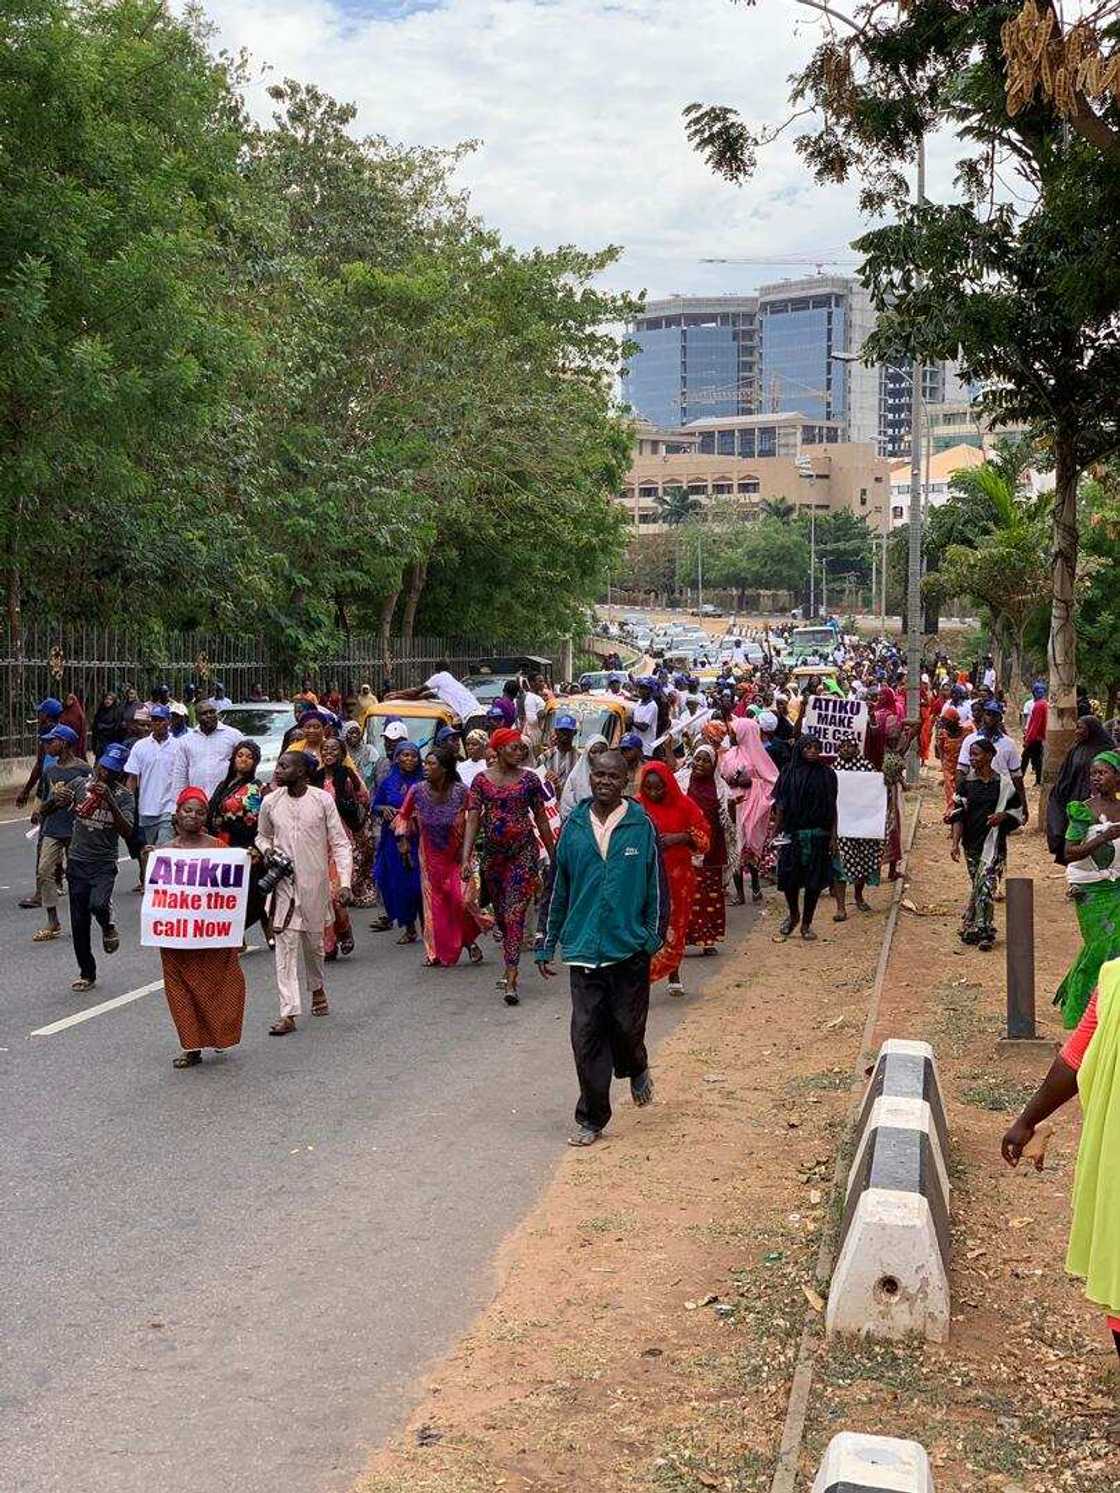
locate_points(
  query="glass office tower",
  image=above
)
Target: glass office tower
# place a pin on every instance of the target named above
(698, 356)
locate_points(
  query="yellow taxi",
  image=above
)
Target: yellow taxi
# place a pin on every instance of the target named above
(601, 715)
(421, 718)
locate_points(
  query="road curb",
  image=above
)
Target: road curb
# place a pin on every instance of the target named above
(793, 1432)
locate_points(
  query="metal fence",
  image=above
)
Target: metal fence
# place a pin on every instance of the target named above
(88, 661)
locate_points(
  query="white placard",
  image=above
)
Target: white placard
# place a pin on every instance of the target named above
(861, 805)
(195, 899)
(833, 720)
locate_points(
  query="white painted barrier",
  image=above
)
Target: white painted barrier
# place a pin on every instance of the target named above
(891, 1277)
(854, 1463)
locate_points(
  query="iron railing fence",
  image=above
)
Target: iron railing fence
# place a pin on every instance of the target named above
(89, 660)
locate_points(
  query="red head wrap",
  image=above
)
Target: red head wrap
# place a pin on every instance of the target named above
(504, 736)
(192, 795)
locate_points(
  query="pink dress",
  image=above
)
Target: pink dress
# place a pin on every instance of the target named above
(750, 757)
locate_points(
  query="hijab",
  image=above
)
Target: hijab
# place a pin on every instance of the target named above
(397, 782)
(749, 755)
(577, 785)
(806, 791)
(675, 813)
(1072, 782)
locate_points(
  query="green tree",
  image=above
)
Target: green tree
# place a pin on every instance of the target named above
(676, 506)
(1025, 291)
(779, 508)
(120, 342)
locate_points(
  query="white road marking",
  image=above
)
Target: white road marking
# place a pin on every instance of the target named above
(92, 1011)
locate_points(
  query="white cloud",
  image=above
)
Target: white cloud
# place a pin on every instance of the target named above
(579, 105)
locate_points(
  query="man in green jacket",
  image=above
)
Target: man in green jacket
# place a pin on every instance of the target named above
(608, 911)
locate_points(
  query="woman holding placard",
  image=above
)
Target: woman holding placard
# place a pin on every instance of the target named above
(857, 860)
(205, 988)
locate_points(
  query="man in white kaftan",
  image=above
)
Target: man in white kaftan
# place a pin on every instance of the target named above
(302, 823)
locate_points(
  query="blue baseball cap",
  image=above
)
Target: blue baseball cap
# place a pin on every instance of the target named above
(160, 713)
(446, 733)
(565, 723)
(61, 733)
(631, 739)
(494, 714)
(113, 757)
(50, 706)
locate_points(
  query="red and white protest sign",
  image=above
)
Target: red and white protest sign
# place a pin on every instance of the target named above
(195, 899)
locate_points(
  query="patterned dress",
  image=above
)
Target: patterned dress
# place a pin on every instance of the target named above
(510, 852)
(1098, 914)
(449, 926)
(857, 860)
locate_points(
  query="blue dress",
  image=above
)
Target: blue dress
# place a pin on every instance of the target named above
(398, 884)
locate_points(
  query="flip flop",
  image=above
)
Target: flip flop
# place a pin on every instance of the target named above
(282, 1027)
(584, 1136)
(474, 954)
(839, 917)
(82, 985)
(45, 935)
(111, 939)
(186, 1060)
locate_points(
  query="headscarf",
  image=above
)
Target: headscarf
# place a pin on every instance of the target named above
(1039, 690)
(675, 814)
(577, 785)
(233, 777)
(751, 757)
(477, 738)
(396, 783)
(192, 796)
(806, 791)
(715, 733)
(767, 720)
(1112, 759)
(504, 736)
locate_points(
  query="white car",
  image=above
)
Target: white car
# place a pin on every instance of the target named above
(263, 722)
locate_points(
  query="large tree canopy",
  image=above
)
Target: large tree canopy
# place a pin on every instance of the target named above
(1021, 283)
(279, 374)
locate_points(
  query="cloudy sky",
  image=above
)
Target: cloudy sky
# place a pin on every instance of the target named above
(578, 105)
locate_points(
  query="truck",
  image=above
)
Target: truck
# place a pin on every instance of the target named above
(807, 641)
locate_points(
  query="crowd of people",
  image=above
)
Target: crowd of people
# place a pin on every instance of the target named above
(624, 855)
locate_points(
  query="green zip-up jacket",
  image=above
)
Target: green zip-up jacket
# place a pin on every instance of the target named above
(603, 911)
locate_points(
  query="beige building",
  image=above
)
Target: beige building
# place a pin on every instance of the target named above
(803, 462)
(936, 473)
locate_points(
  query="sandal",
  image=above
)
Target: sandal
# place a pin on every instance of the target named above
(35, 901)
(346, 945)
(282, 1027)
(785, 928)
(584, 1136)
(808, 935)
(474, 954)
(432, 964)
(708, 950)
(319, 1004)
(44, 935)
(187, 1059)
(839, 917)
(407, 937)
(382, 925)
(641, 1089)
(82, 985)
(675, 987)
(511, 997)
(111, 939)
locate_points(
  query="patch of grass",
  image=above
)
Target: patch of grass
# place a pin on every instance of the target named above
(611, 1223)
(896, 1366)
(831, 1081)
(995, 1093)
(718, 1231)
(961, 1019)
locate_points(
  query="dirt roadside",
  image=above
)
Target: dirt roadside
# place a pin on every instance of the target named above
(648, 1311)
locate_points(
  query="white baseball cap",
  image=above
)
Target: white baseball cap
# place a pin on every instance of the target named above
(396, 731)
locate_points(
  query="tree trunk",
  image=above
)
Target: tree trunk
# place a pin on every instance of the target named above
(417, 577)
(1063, 637)
(388, 608)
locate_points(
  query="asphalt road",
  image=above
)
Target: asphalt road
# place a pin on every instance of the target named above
(229, 1278)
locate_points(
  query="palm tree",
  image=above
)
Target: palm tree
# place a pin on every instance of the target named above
(676, 505)
(779, 508)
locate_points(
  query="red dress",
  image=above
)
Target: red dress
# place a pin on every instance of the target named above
(675, 814)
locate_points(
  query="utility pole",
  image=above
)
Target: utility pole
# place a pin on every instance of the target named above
(824, 584)
(700, 571)
(914, 557)
(874, 575)
(813, 562)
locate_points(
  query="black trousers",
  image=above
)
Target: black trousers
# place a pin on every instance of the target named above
(609, 1010)
(1032, 757)
(91, 896)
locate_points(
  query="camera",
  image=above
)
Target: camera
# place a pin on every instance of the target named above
(276, 867)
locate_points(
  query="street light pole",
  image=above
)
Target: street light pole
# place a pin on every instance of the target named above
(813, 562)
(824, 584)
(700, 572)
(914, 555)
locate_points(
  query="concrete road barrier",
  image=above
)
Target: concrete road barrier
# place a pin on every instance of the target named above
(891, 1277)
(854, 1463)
